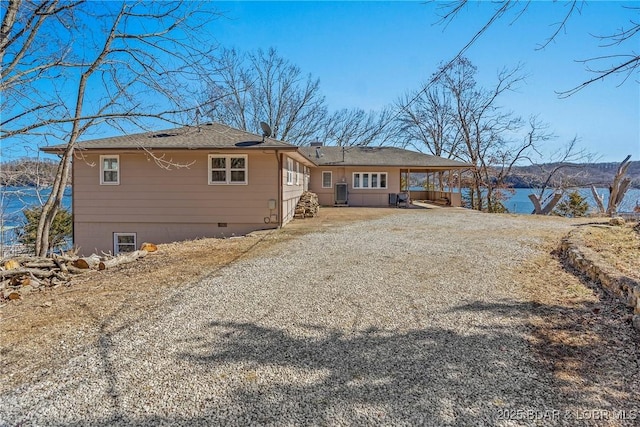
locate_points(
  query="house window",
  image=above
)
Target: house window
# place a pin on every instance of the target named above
(227, 169)
(124, 242)
(289, 171)
(370, 180)
(326, 179)
(297, 173)
(109, 170)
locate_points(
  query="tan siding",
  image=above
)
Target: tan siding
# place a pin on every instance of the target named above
(148, 190)
(357, 197)
(164, 202)
(98, 237)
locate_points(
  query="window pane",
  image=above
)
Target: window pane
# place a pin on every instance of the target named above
(218, 162)
(110, 164)
(218, 176)
(374, 180)
(237, 176)
(126, 239)
(365, 180)
(110, 176)
(126, 248)
(237, 163)
(356, 180)
(326, 179)
(383, 180)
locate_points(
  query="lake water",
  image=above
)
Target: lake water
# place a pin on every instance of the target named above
(519, 201)
(14, 199)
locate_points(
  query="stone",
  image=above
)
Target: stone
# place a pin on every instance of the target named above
(636, 321)
(617, 221)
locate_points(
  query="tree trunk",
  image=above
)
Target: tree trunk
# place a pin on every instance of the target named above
(548, 207)
(50, 208)
(598, 199)
(52, 205)
(125, 258)
(619, 187)
(90, 262)
(537, 209)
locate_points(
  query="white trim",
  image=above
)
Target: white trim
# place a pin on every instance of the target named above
(369, 180)
(117, 244)
(228, 169)
(116, 170)
(297, 173)
(330, 179)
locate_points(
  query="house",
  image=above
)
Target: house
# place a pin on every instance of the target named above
(216, 181)
(210, 180)
(367, 176)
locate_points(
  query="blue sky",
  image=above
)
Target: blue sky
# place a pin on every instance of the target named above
(367, 54)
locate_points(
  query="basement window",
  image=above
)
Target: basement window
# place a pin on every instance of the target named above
(124, 242)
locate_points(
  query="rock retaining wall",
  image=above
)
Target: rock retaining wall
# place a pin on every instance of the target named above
(589, 263)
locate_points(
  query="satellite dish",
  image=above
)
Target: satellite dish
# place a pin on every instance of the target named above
(266, 130)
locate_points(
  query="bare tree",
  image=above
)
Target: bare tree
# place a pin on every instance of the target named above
(426, 121)
(604, 66)
(487, 135)
(568, 158)
(356, 127)
(619, 186)
(261, 86)
(617, 190)
(69, 67)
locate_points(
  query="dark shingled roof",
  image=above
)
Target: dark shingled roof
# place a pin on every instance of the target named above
(377, 156)
(214, 135)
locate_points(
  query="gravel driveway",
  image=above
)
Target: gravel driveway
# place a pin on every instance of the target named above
(409, 319)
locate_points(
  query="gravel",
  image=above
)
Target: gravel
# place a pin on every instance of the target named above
(409, 319)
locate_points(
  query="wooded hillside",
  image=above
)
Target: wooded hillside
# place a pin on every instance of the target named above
(572, 175)
(27, 172)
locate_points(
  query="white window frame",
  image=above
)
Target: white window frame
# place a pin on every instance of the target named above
(289, 171)
(117, 245)
(330, 179)
(103, 170)
(228, 169)
(297, 173)
(369, 180)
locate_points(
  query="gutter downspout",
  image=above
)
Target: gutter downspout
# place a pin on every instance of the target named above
(280, 195)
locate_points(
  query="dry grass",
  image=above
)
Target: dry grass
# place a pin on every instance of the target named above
(618, 246)
(582, 333)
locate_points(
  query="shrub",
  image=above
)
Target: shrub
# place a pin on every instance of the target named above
(59, 235)
(573, 206)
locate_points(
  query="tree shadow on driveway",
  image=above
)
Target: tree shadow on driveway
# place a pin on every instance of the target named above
(429, 376)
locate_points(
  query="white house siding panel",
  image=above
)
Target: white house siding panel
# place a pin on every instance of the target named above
(290, 193)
